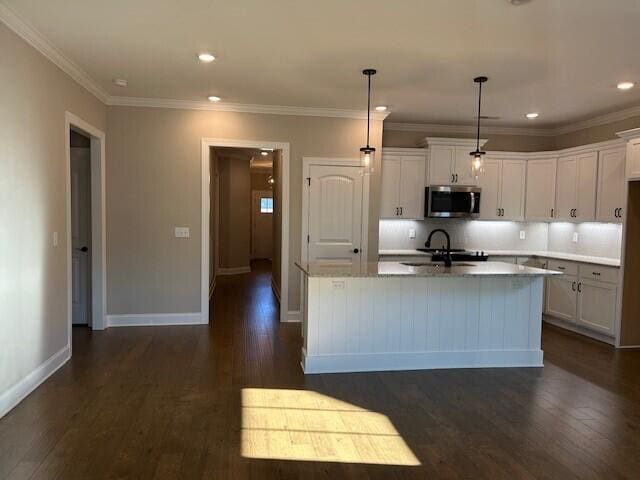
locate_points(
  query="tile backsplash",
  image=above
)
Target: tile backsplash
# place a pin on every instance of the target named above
(594, 239)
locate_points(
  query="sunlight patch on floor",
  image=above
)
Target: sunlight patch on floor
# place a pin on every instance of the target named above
(305, 425)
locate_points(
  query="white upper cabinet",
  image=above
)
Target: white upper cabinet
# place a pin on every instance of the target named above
(633, 159)
(450, 161)
(462, 171)
(541, 186)
(402, 188)
(611, 185)
(441, 165)
(503, 189)
(576, 187)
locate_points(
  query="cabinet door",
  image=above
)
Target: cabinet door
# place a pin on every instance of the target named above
(597, 305)
(633, 159)
(412, 187)
(562, 297)
(441, 161)
(462, 167)
(512, 190)
(611, 185)
(489, 181)
(586, 184)
(541, 184)
(566, 181)
(390, 187)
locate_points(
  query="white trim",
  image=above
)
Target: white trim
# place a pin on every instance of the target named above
(284, 147)
(33, 37)
(293, 316)
(98, 221)
(404, 151)
(590, 147)
(243, 108)
(222, 271)
(598, 120)
(628, 346)
(154, 319)
(558, 322)
(458, 142)
(629, 134)
(466, 129)
(373, 362)
(276, 290)
(12, 397)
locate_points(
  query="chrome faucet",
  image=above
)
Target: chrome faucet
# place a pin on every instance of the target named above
(447, 252)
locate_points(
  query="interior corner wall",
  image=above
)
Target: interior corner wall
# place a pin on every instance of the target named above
(508, 143)
(153, 184)
(34, 95)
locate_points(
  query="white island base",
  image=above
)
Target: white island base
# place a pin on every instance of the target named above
(357, 324)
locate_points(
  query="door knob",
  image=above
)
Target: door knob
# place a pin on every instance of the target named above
(82, 249)
(355, 250)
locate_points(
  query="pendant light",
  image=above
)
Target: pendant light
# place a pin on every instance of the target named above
(477, 164)
(368, 153)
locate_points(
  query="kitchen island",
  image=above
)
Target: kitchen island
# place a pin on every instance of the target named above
(402, 316)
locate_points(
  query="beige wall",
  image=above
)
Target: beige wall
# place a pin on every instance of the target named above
(235, 213)
(34, 95)
(510, 143)
(259, 181)
(595, 134)
(153, 184)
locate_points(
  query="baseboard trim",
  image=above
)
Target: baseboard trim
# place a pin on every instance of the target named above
(12, 397)
(276, 289)
(233, 270)
(154, 319)
(377, 362)
(293, 316)
(601, 337)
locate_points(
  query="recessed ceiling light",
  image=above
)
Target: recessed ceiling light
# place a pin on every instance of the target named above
(532, 115)
(381, 108)
(625, 85)
(213, 98)
(120, 82)
(264, 154)
(206, 57)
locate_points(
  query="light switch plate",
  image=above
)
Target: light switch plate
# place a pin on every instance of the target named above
(182, 232)
(575, 237)
(412, 233)
(523, 234)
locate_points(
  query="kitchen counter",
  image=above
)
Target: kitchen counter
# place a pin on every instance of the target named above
(606, 261)
(398, 269)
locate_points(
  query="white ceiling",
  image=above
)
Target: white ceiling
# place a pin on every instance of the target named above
(562, 58)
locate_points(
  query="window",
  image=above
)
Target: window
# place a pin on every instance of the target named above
(266, 205)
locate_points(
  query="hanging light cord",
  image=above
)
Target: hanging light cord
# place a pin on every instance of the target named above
(478, 130)
(368, 107)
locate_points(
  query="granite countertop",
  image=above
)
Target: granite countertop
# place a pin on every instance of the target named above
(397, 269)
(611, 262)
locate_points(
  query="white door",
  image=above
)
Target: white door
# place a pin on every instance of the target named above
(489, 181)
(441, 162)
(412, 188)
(586, 184)
(261, 224)
(597, 305)
(81, 235)
(390, 187)
(512, 189)
(462, 168)
(335, 214)
(566, 194)
(611, 186)
(562, 297)
(541, 183)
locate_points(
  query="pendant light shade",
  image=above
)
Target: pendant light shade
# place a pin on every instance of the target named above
(368, 153)
(477, 164)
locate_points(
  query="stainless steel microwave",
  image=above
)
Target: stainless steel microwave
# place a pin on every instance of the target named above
(448, 201)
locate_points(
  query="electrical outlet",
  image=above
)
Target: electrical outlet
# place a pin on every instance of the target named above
(523, 234)
(337, 284)
(182, 232)
(412, 233)
(575, 237)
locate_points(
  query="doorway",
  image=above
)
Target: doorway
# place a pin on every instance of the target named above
(262, 210)
(85, 226)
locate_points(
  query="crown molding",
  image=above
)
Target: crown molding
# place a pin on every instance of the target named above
(466, 129)
(599, 120)
(243, 108)
(33, 37)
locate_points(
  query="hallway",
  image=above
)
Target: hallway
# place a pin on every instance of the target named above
(229, 400)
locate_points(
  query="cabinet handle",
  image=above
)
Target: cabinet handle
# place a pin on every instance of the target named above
(573, 286)
(561, 268)
(615, 213)
(400, 210)
(456, 178)
(552, 213)
(596, 273)
(503, 212)
(453, 178)
(580, 287)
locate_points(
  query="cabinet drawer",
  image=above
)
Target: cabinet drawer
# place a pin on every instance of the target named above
(564, 267)
(599, 273)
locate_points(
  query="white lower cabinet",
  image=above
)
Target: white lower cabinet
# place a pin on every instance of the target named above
(585, 296)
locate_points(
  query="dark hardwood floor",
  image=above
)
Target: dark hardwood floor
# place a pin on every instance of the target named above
(229, 401)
